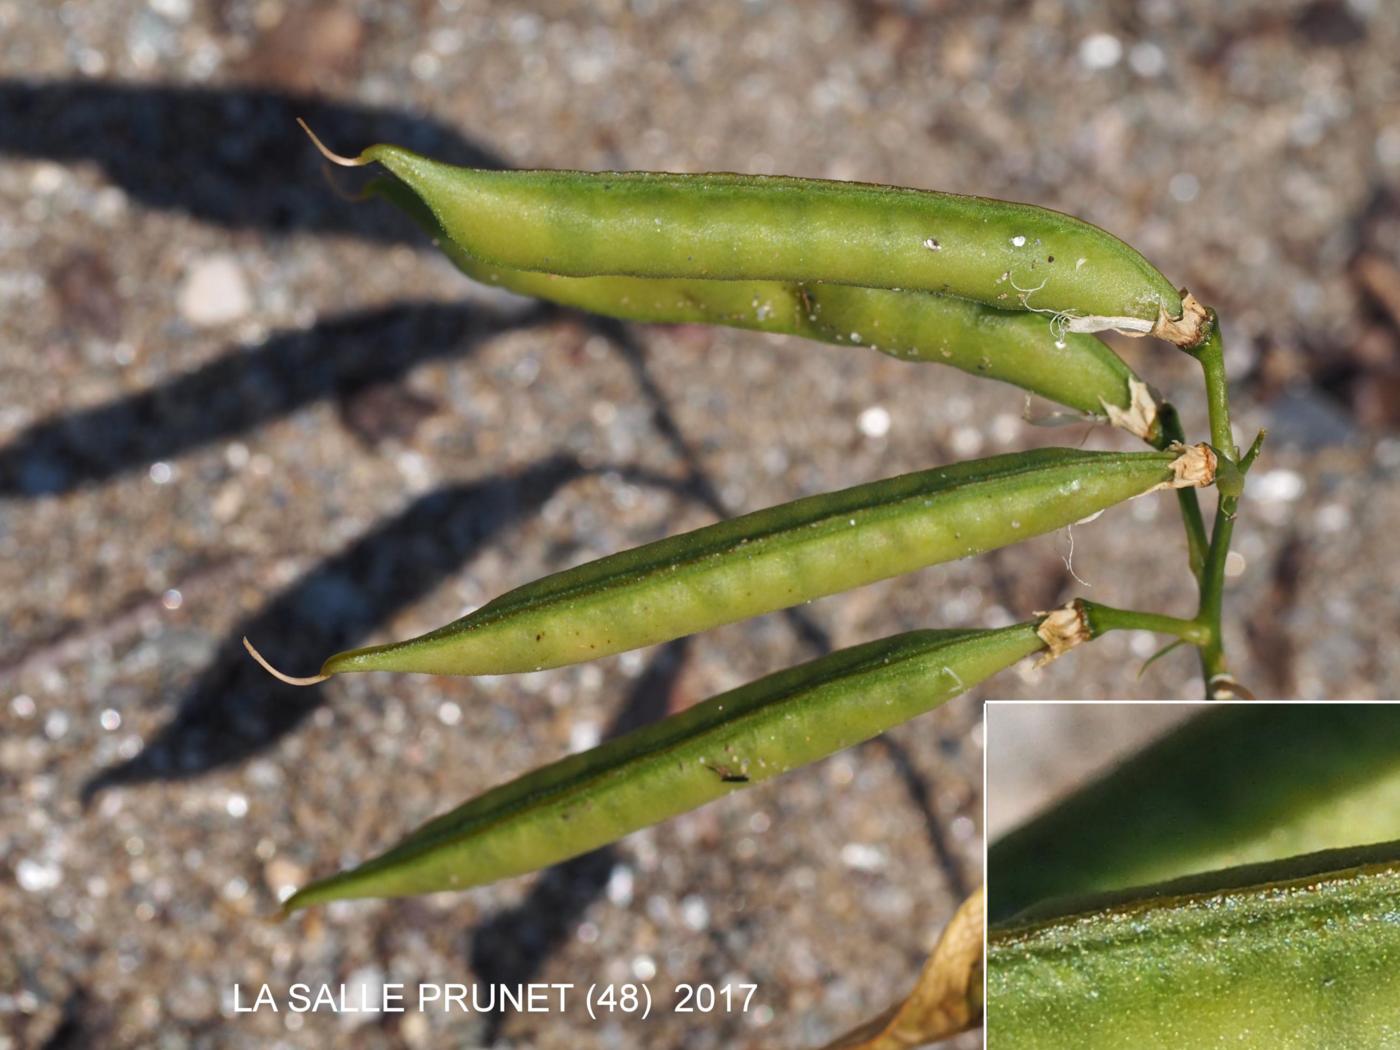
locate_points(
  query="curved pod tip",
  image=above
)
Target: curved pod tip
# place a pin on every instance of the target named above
(334, 158)
(314, 679)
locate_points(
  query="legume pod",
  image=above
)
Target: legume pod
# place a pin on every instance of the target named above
(1020, 348)
(1298, 955)
(745, 227)
(738, 738)
(781, 557)
(1235, 785)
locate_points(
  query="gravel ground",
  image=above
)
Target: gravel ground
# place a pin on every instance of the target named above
(234, 402)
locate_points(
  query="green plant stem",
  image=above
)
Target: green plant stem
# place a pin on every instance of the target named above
(1210, 352)
(1106, 618)
(1229, 486)
(1196, 541)
(1213, 664)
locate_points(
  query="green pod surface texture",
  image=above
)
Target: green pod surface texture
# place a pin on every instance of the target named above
(744, 227)
(1074, 369)
(1232, 786)
(1295, 955)
(741, 737)
(772, 559)
(1020, 348)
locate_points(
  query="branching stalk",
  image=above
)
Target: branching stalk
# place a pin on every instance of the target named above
(1103, 618)
(1210, 352)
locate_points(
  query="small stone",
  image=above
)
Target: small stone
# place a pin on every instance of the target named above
(363, 987)
(861, 856)
(214, 292)
(384, 411)
(695, 913)
(282, 876)
(87, 293)
(314, 45)
(37, 876)
(874, 422)
(1100, 51)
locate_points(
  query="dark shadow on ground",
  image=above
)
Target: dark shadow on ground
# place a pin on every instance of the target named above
(235, 710)
(228, 155)
(513, 946)
(341, 357)
(920, 793)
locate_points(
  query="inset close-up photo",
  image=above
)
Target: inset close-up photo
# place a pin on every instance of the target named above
(1182, 876)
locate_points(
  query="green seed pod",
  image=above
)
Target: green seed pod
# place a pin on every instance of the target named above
(1233, 786)
(741, 737)
(1019, 348)
(1070, 368)
(746, 227)
(780, 557)
(1299, 955)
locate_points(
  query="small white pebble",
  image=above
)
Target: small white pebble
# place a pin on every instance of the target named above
(1332, 517)
(583, 736)
(874, 422)
(621, 883)
(695, 913)
(110, 719)
(840, 771)
(860, 856)
(36, 876)
(1183, 186)
(364, 986)
(1018, 241)
(1234, 564)
(1100, 51)
(1146, 59)
(1277, 486)
(424, 65)
(1143, 644)
(449, 713)
(1005, 428)
(172, 599)
(175, 10)
(237, 806)
(966, 441)
(235, 889)
(214, 292)
(23, 706)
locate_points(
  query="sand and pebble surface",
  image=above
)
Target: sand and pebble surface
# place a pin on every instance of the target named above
(234, 402)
